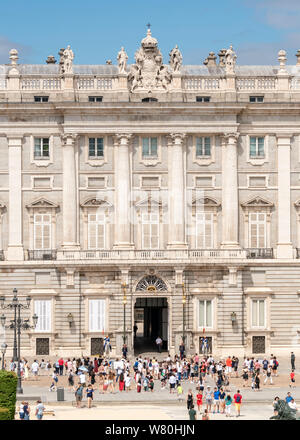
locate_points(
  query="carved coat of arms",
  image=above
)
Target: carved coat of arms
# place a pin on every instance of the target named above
(149, 72)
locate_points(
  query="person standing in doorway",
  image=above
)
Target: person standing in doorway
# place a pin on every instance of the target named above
(159, 343)
(135, 329)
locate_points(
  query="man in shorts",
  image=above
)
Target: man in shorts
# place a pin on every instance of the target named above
(228, 369)
(237, 402)
(78, 395)
(35, 369)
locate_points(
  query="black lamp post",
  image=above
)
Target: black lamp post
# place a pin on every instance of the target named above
(17, 324)
(124, 312)
(183, 313)
(3, 350)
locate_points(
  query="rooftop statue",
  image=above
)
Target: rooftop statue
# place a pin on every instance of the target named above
(122, 60)
(66, 61)
(230, 60)
(175, 59)
(148, 72)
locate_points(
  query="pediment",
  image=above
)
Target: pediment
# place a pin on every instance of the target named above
(206, 201)
(42, 203)
(257, 202)
(96, 203)
(144, 203)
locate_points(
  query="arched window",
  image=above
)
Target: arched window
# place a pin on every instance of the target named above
(151, 283)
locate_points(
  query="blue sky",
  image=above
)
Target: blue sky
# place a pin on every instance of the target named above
(96, 30)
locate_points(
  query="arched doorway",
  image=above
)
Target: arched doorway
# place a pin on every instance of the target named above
(150, 314)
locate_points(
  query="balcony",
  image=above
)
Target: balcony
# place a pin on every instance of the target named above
(259, 253)
(42, 254)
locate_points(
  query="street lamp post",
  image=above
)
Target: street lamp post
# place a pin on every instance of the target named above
(3, 350)
(183, 313)
(124, 312)
(17, 324)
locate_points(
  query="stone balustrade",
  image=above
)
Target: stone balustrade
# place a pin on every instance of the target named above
(140, 255)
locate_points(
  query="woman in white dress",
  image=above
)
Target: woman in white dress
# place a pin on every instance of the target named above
(26, 370)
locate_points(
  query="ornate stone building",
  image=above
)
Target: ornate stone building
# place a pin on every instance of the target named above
(166, 195)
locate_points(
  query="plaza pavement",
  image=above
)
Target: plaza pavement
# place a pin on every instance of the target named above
(159, 404)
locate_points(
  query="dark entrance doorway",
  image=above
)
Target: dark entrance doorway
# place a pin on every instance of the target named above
(151, 320)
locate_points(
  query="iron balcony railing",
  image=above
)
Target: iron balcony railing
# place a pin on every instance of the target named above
(259, 253)
(42, 254)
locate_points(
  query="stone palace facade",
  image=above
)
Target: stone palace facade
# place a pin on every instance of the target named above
(165, 195)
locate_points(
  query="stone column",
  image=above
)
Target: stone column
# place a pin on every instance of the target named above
(230, 207)
(176, 192)
(122, 192)
(15, 249)
(69, 193)
(284, 245)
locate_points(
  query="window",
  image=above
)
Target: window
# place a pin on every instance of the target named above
(42, 231)
(97, 315)
(96, 231)
(41, 148)
(203, 146)
(43, 310)
(204, 230)
(150, 146)
(41, 98)
(149, 100)
(150, 231)
(257, 230)
(96, 148)
(202, 98)
(205, 313)
(95, 98)
(258, 313)
(256, 99)
(257, 146)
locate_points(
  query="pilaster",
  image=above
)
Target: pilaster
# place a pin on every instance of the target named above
(70, 204)
(176, 192)
(122, 192)
(230, 208)
(15, 249)
(284, 245)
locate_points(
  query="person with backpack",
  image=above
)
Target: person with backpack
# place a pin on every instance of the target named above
(237, 402)
(78, 395)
